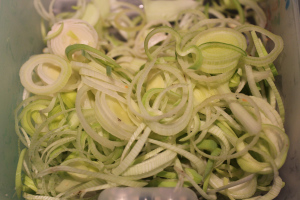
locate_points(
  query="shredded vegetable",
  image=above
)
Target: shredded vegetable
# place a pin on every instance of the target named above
(164, 94)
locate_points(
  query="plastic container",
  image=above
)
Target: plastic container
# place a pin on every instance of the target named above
(20, 38)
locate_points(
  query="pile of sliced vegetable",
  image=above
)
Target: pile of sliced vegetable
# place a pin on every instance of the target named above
(166, 94)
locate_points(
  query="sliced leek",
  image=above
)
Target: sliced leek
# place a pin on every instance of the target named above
(177, 94)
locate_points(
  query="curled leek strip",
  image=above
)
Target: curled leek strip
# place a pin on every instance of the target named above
(90, 131)
(54, 34)
(51, 17)
(18, 180)
(182, 52)
(112, 178)
(122, 15)
(240, 11)
(186, 18)
(95, 54)
(42, 11)
(260, 16)
(140, 37)
(268, 59)
(28, 68)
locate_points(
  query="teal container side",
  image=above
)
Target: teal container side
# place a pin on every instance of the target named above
(284, 20)
(19, 39)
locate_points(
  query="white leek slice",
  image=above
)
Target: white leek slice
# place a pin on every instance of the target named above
(103, 7)
(95, 10)
(131, 64)
(29, 66)
(167, 10)
(75, 31)
(83, 166)
(155, 81)
(115, 106)
(91, 14)
(66, 184)
(151, 164)
(48, 73)
(201, 93)
(244, 188)
(223, 35)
